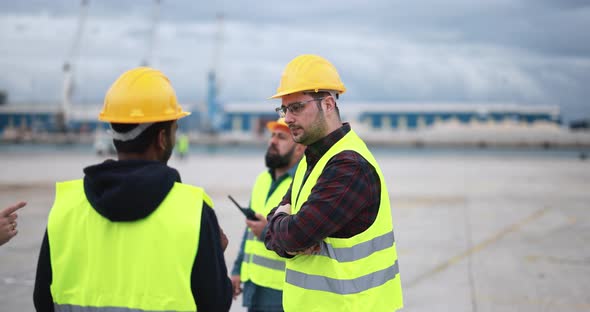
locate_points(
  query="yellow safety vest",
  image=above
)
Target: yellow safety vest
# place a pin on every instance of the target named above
(359, 273)
(143, 265)
(260, 265)
(183, 144)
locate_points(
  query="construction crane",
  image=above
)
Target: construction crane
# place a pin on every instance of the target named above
(214, 115)
(147, 60)
(68, 69)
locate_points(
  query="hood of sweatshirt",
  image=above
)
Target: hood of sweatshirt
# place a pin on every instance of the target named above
(128, 190)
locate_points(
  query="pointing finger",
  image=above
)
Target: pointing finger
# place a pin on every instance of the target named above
(11, 209)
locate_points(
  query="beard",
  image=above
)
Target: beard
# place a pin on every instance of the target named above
(276, 160)
(314, 132)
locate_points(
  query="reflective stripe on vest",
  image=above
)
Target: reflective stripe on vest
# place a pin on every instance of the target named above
(265, 262)
(340, 286)
(143, 265)
(359, 273)
(72, 308)
(356, 252)
(264, 267)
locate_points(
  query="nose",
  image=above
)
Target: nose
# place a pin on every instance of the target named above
(272, 141)
(289, 117)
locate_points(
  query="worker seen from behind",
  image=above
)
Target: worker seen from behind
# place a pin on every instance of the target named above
(334, 224)
(130, 236)
(262, 271)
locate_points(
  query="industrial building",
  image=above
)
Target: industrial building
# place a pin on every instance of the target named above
(250, 118)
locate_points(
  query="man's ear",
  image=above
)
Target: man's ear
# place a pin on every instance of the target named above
(330, 103)
(162, 140)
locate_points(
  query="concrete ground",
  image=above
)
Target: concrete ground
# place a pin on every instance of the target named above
(504, 232)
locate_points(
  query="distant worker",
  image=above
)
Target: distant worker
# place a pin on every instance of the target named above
(334, 224)
(130, 236)
(183, 145)
(8, 223)
(262, 271)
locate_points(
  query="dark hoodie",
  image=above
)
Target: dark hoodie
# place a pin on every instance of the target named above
(130, 190)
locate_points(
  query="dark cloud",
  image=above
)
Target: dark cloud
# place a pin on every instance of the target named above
(523, 51)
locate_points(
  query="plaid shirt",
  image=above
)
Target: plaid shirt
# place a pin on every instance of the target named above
(344, 201)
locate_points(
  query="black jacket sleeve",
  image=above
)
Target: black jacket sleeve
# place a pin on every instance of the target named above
(210, 282)
(42, 293)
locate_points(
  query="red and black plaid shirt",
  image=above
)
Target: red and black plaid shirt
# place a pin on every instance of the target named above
(344, 201)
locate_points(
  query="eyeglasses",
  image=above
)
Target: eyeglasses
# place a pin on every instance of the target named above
(295, 107)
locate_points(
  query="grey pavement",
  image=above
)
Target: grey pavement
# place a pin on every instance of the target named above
(473, 232)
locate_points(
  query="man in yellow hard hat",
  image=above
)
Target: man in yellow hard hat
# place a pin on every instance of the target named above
(130, 236)
(334, 224)
(260, 270)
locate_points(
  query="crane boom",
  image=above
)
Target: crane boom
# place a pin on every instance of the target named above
(147, 60)
(69, 66)
(214, 113)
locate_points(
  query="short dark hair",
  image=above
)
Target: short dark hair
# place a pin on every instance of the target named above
(143, 141)
(322, 94)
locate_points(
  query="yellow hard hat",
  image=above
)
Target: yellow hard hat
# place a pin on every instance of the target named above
(141, 95)
(272, 125)
(309, 72)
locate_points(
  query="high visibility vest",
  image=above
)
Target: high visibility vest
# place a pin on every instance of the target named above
(183, 144)
(260, 265)
(359, 273)
(143, 265)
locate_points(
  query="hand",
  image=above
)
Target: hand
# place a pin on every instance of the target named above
(8, 222)
(223, 238)
(236, 284)
(257, 226)
(286, 208)
(313, 250)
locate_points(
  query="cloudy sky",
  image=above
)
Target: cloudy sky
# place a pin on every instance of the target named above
(530, 52)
